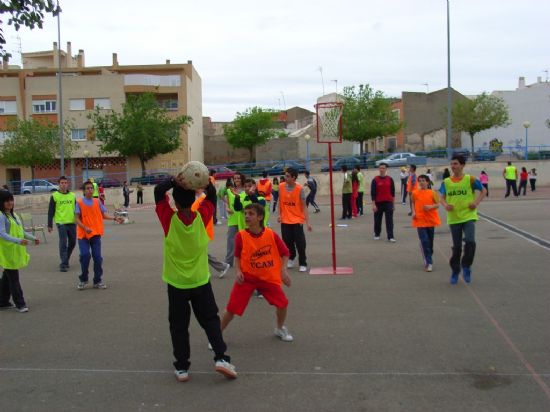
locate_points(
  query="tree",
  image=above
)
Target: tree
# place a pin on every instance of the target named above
(367, 115)
(27, 13)
(34, 143)
(481, 113)
(143, 129)
(254, 127)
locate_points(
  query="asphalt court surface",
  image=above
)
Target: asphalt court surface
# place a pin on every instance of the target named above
(390, 337)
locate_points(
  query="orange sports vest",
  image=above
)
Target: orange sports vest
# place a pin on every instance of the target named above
(424, 218)
(290, 204)
(410, 187)
(91, 217)
(265, 188)
(210, 226)
(260, 257)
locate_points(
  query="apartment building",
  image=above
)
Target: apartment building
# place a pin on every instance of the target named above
(31, 92)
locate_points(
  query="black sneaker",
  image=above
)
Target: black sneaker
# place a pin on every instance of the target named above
(8, 305)
(63, 268)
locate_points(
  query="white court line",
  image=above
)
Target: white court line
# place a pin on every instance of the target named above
(536, 240)
(271, 373)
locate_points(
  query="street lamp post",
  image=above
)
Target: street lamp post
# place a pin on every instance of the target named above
(307, 137)
(526, 124)
(86, 156)
(449, 92)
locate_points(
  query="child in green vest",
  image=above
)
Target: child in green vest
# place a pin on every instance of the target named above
(13, 255)
(247, 197)
(185, 271)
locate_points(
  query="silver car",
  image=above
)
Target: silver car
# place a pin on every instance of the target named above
(397, 159)
(40, 186)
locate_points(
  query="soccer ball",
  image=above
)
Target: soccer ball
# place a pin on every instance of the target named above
(194, 175)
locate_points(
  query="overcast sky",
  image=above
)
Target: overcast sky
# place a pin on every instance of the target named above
(268, 54)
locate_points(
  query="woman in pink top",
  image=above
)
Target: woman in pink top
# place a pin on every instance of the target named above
(523, 176)
(484, 179)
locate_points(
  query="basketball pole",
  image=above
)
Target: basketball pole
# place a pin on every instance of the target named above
(332, 226)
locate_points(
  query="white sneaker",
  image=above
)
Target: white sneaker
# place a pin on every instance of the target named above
(303, 268)
(210, 346)
(290, 264)
(429, 268)
(392, 240)
(226, 369)
(376, 237)
(283, 334)
(182, 375)
(223, 272)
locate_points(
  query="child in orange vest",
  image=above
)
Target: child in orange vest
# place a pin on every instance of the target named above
(425, 217)
(260, 259)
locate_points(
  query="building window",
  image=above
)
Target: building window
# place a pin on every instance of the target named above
(4, 135)
(78, 134)
(44, 106)
(104, 103)
(8, 107)
(396, 113)
(77, 104)
(169, 104)
(173, 80)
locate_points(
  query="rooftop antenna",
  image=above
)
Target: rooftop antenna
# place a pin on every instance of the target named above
(427, 87)
(322, 78)
(335, 84)
(284, 101)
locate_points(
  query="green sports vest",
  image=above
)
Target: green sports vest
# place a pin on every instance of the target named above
(241, 222)
(186, 254)
(233, 218)
(96, 190)
(64, 207)
(510, 173)
(13, 255)
(361, 179)
(460, 195)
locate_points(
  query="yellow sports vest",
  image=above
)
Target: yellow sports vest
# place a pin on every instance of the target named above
(96, 190)
(186, 254)
(64, 207)
(233, 219)
(13, 255)
(460, 195)
(510, 173)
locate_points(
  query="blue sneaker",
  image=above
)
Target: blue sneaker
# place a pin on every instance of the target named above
(467, 274)
(454, 278)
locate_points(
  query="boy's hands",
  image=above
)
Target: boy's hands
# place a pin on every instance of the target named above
(36, 241)
(285, 278)
(239, 277)
(24, 242)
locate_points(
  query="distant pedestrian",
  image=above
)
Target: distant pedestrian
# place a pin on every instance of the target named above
(61, 210)
(360, 190)
(404, 176)
(533, 179)
(523, 178)
(275, 193)
(126, 193)
(311, 184)
(354, 193)
(510, 174)
(346, 193)
(446, 173)
(382, 191)
(265, 190)
(430, 177)
(412, 184)
(233, 220)
(460, 200)
(101, 191)
(139, 194)
(484, 179)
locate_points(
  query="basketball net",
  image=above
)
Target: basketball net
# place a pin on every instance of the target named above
(329, 122)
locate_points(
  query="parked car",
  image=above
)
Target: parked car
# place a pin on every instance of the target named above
(108, 182)
(38, 186)
(465, 153)
(397, 159)
(484, 154)
(278, 169)
(221, 172)
(349, 161)
(150, 179)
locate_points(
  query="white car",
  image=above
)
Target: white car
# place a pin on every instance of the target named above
(39, 186)
(397, 159)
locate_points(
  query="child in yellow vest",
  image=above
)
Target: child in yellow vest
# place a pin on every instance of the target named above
(13, 255)
(185, 271)
(425, 203)
(260, 260)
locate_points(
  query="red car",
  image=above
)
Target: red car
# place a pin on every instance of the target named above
(221, 172)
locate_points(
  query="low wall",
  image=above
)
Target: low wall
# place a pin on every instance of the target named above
(39, 203)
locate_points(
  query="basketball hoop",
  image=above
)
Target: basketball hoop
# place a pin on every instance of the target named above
(329, 130)
(329, 122)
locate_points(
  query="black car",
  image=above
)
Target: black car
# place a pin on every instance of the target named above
(108, 182)
(279, 168)
(484, 154)
(350, 162)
